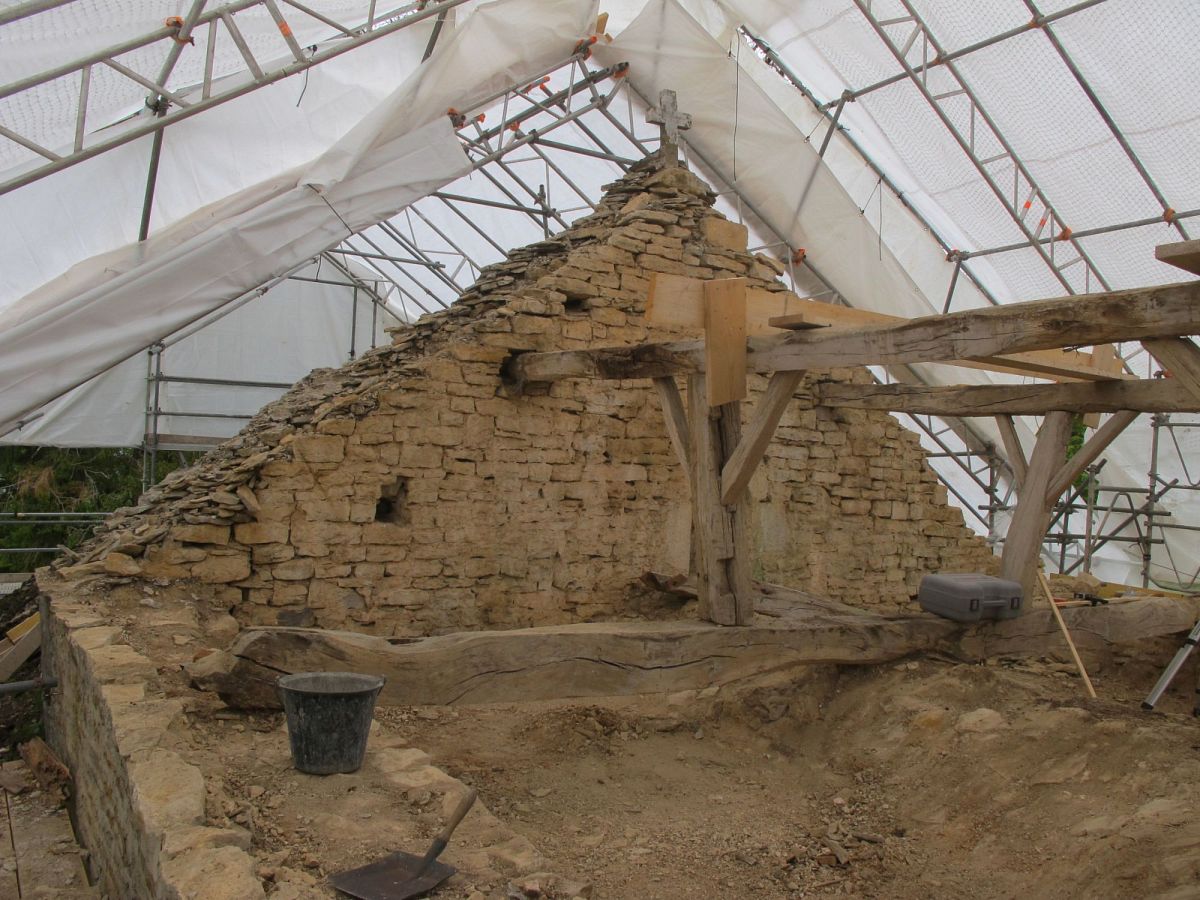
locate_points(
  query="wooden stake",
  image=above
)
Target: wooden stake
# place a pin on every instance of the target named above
(1087, 682)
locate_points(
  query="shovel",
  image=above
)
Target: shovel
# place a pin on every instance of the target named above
(400, 875)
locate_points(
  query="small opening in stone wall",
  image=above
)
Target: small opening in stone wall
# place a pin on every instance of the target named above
(575, 304)
(392, 505)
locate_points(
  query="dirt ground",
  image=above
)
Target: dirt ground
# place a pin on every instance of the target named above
(926, 778)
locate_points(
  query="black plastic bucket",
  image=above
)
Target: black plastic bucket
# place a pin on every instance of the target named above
(329, 718)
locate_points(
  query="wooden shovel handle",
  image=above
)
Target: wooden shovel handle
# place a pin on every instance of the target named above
(464, 807)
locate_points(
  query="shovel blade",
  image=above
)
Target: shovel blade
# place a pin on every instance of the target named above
(395, 877)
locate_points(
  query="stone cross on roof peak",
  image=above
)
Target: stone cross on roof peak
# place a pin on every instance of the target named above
(670, 121)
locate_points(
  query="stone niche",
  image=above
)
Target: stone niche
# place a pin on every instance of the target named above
(406, 493)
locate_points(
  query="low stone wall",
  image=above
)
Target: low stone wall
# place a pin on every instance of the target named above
(139, 806)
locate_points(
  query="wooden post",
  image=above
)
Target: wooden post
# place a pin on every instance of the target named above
(1026, 531)
(719, 532)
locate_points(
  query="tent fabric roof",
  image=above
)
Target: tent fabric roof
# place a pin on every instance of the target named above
(1052, 118)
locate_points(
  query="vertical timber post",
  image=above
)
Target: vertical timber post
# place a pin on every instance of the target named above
(1027, 530)
(719, 532)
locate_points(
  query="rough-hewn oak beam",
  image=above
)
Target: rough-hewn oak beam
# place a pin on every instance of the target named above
(675, 416)
(1088, 453)
(1165, 311)
(1027, 530)
(1181, 254)
(1012, 448)
(739, 469)
(1180, 357)
(1146, 395)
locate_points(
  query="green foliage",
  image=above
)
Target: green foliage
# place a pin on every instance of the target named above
(1074, 444)
(61, 480)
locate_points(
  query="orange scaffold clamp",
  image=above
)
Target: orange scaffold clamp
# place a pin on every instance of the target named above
(176, 22)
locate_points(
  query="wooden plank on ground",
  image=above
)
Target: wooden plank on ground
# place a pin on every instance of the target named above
(15, 655)
(8, 857)
(1181, 254)
(14, 633)
(725, 340)
(49, 861)
(588, 660)
(602, 659)
(1093, 628)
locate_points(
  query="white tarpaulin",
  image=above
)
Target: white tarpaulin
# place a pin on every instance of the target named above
(101, 311)
(276, 339)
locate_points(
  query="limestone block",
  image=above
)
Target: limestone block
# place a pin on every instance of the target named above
(263, 554)
(117, 563)
(417, 456)
(299, 569)
(261, 532)
(320, 448)
(168, 791)
(249, 499)
(222, 873)
(120, 662)
(222, 569)
(201, 534)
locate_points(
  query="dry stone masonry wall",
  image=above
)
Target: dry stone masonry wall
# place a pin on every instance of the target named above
(406, 493)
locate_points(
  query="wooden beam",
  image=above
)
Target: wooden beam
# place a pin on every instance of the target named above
(1181, 254)
(719, 533)
(1027, 530)
(1143, 395)
(594, 659)
(1087, 454)
(740, 467)
(1164, 311)
(1180, 357)
(725, 340)
(675, 416)
(1069, 365)
(13, 654)
(1012, 448)
(1105, 359)
(676, 301)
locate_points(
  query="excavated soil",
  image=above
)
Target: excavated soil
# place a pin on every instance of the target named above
(928, 778)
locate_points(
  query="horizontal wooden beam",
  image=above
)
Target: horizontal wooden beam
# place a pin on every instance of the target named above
(1182, 254)
(1059, 365)
(1148, 395)
(676, 301)
(1163, 311)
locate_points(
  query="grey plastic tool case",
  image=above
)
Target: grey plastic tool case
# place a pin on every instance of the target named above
(969, 598)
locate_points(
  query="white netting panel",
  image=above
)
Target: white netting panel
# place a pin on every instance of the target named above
(39, 43)
(1144, 68)
(957, 25)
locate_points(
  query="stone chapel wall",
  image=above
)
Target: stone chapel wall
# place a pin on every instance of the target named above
(406, 493)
